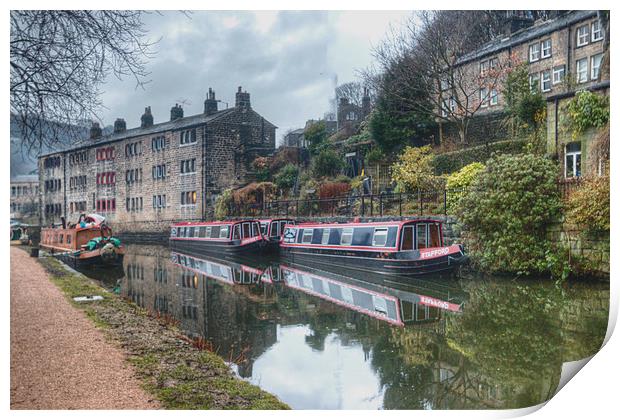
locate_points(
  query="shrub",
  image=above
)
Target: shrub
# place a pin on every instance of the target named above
(223, 203)
(506, 212)
(589, 205)
(327, 163)
(585, 110)
(284, 156)
(316, 136)
(333, 189)
(261, 166)
(374, 156)
(459, 182)
(414, 169)
(286, 177)
(453, 161)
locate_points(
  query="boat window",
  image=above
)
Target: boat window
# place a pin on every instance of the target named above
(61, 237)
(191, 232)
(236, 232)
(334, 236)
(406, 242)
(380, 237)
(391, 237)
(215, 232)
(362, 236)
(299, 235)
(421, 235)
(317, 236)
(246, 230)
(263, 228)
(347, 236)
(68, 239)
(255, 230)
(182, 232)
(335, 291)
(274, 229)
(307, 238)
(197, 231)
(225, 232)
(434, 235)
(406, 310)
(208, 232)
(325, 236)
(289, 235)
(202, 233)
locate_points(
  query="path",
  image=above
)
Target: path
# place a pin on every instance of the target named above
(59, 359)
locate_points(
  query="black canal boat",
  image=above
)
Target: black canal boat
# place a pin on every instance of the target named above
(223, 238)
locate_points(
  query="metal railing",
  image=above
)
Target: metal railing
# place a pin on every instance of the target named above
(432, 202)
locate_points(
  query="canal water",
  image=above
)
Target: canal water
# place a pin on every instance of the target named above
(323, 340)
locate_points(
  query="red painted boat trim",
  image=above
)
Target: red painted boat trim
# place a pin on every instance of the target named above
(336, 247)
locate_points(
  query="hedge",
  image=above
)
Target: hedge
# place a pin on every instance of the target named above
(449, 162)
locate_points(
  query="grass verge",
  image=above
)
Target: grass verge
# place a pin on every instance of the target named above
(175, 372)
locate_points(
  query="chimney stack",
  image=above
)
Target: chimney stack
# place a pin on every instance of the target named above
(120, 125)
(176, 112)
(242, 99)
(95, 131)
(147, 118)
(210, 103)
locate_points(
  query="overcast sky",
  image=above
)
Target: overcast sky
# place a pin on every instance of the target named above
(288, 61)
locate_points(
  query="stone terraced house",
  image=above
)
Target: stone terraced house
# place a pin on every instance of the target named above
(144, 178)
(564, 55)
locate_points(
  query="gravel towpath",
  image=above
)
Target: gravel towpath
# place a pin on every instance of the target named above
(59, 359)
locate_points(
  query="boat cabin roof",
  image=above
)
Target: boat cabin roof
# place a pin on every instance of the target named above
(216, 223)
(398, 223)
(275, 219)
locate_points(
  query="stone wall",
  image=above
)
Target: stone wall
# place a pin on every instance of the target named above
(590, 247)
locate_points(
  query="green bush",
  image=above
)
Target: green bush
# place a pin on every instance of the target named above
(585, 110)
(286, 177)
(222, 204)
(506, 211)
(374, 156)
(414, 170)
(449, 162)
(589, 205)
(327, 164)
(459, 182)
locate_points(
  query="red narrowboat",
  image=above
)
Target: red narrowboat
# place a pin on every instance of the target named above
(230, 237)
(411, 248)
(89, 241)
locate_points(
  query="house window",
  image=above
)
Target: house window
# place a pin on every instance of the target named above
(582, 70)
(572, 160)
(558, 74)
(484, 68)
(583, 35)
(595, 65)
(534, 82)
(534, 52)
(597, 31)
(188, 136)
(484, 97)
(546, 48)
(493, 99)
(188, 198)
(188, 166)
(545, 81)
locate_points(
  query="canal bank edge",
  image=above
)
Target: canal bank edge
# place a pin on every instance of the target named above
(171, 368)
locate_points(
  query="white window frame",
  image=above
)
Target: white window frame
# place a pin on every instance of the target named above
(348, 232)
(583, 71)
(597, 34)
(534, 52)
(558, 74)
(307, 231)
(534, 82)
(594, 75)
(325, 236)
(545, 76)
(484, 67)
(583, 35)
(381, 232)
(493, 97)
(543, 48)
(573, 156)
(484, 97)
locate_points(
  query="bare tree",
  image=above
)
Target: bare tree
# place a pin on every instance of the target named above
(354, 92)
(59, 59)
(430, 57)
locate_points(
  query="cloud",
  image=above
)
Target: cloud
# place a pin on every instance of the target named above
(286, 60)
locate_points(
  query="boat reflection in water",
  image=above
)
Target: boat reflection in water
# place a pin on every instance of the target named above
(323, 340)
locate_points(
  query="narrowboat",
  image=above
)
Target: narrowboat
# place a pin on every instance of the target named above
(409, 248)
(87, 242)
(228, 238)
(272, 230)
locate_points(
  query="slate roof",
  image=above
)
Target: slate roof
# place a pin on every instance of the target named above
(177, 124)
(527, 34)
